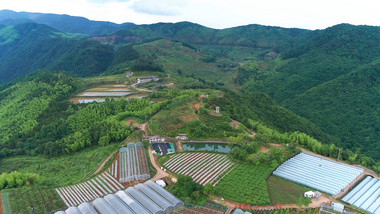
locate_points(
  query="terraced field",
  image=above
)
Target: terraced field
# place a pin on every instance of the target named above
(202, 167)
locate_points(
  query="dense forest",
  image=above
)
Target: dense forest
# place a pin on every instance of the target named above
(37, 118)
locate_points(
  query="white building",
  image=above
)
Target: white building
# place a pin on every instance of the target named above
(181, 137)
(309, 194)
(161, 183)
(156, 139)
(217, 109)
(146, 79)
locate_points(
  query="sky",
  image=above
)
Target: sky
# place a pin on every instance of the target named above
(307, 14)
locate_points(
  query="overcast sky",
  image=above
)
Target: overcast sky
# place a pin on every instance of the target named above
(309, 14)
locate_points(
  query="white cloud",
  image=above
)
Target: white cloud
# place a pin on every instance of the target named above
(213, 13)
(159, 7)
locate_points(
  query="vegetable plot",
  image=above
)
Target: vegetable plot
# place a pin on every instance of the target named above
(101, 185)
(246, 184)
(202, 167)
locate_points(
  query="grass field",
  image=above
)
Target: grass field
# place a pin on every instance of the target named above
(34, 200)
(60, 171)
(282, 191)
(245, 184)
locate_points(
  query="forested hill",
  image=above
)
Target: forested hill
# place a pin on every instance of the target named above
(64, 23)
(28, 47)
(333, 80)
(258, 36)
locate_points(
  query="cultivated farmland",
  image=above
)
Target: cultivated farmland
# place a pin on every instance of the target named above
(246, 184)
(101, 185)
(202, 167)
(133, 163)
(99, 94)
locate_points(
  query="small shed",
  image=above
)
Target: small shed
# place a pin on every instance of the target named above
(309, 194)
(217, 109)
(161, 183)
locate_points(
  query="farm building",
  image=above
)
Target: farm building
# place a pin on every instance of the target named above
(146, 79)
(161, 183)
(309, 194)
(133, 163)
(181, 137)
(163, 148)
(319, 173)
(155, 139)
(142, 199)
(365, 195)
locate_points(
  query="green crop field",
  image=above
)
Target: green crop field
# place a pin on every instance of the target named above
(34, 200)
(63, 170)
(282, 191)
(246, 184)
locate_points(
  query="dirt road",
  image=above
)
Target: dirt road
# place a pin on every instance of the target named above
(143, 127)
(179, 146)
(160, 173)
(104, 162)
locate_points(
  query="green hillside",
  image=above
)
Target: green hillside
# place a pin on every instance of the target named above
(329, 80)
(347, 106)
(64, 23)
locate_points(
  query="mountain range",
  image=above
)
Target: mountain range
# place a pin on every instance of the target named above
(330, 77)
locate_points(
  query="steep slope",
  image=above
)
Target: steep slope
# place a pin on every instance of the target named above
(25, 48)
(321, 81)
(333, 52)
(64, 23)
(348, 107)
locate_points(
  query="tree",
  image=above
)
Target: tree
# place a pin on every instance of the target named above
(104, 140)
(208, 189)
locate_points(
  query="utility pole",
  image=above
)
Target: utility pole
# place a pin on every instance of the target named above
(339, 154)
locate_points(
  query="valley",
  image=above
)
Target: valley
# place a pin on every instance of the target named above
(247, 118)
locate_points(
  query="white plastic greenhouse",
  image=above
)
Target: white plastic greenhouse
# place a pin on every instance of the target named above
(147, 198)
(318, 173)
(133, 163)
(366, 195)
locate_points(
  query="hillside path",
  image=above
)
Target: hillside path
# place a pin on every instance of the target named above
(104, 162)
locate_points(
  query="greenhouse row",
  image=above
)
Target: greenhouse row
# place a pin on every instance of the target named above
(141, 199)
(317, 172)
(366, 195)
(133, 163)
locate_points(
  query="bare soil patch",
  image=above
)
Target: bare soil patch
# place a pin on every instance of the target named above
(129, 121)
(264, 149)
(234, 124)
(188, 117)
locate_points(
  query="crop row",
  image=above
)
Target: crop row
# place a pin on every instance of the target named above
(202, 167)
(87, 191)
